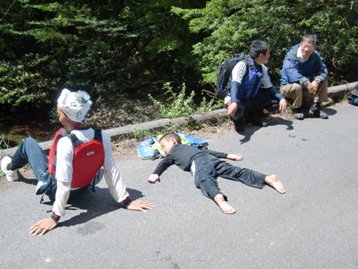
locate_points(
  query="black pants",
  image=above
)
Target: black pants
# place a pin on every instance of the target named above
(206, 169)
(254, 106)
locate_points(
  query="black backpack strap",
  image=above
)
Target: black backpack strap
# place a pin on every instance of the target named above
(74, 139)
(76, 142)
(98, 137)
(97, 134)
(249, 65)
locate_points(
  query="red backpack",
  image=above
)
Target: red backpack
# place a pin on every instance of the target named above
(87, 160)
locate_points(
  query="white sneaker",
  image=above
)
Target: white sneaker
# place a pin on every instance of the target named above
(41, 187)
(10, 175)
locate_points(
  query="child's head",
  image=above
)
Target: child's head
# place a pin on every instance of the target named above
(75, 105)
(168, 141)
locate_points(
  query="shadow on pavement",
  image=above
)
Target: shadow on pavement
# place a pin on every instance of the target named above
(95, 203)
(330, 111)
(272, 121)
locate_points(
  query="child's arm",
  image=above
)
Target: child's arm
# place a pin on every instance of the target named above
(153, 178)
(222, 155)
(161, 167)
(235, 157)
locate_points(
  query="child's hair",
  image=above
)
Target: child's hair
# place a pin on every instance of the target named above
(168, 136)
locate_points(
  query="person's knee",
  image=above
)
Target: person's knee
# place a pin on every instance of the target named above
(28, 142)
(296, 89)
(323, 86)
(292, 90)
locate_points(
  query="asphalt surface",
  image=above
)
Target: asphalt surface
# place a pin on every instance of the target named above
(314, 225)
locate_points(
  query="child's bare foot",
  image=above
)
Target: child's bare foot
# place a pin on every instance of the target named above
(224, 206)
(275, 183)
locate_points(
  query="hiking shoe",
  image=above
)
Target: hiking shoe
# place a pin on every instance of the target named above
(298, 113)
(239, 125)
(299, 116)
(10, 175)
(258, 121)
(41, 187)
(319, 114)
(316, 111)
(273, 108)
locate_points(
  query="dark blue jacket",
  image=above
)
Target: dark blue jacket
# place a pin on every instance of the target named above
(294, 71)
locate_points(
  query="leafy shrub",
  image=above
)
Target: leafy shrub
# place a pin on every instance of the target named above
(181, 105)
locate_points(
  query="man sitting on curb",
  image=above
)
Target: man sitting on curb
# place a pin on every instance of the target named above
(304, 73)
(72, 108)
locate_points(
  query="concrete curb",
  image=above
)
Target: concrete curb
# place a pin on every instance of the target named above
(333, 91)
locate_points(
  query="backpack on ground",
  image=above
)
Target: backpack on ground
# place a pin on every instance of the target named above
(88, 158)
(224, 74)
(150, 148)
(353, 97)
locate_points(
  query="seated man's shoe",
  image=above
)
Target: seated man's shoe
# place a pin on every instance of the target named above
(298, 113)
(317, 112)
(323, 115)
(10, 174)
(239, 125)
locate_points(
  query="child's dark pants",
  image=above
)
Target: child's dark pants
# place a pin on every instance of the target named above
(206, 169)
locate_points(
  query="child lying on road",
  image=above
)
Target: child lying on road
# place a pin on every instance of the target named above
(206, 166)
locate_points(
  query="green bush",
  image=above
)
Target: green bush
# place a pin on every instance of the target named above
(180, 104)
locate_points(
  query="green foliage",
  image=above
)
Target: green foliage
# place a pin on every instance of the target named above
(138, 132)
(77, 45)
(113, 48)
(181, 105)
(21, 81)
(162, 44)
(230, 26)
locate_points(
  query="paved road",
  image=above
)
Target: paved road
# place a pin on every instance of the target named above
(313, 226)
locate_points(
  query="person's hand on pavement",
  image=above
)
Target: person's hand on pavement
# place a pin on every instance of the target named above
(138, 205)
(43, 226)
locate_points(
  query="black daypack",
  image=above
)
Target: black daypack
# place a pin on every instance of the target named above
(224, 74)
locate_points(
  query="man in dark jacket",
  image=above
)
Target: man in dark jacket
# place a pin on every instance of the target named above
(304, 73)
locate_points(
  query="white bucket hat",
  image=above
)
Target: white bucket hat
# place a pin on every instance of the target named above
(75, 104)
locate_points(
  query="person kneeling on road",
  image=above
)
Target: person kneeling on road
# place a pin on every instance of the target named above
(251, 89)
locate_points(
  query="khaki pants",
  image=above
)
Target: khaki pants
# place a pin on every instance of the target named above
(294, 91)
